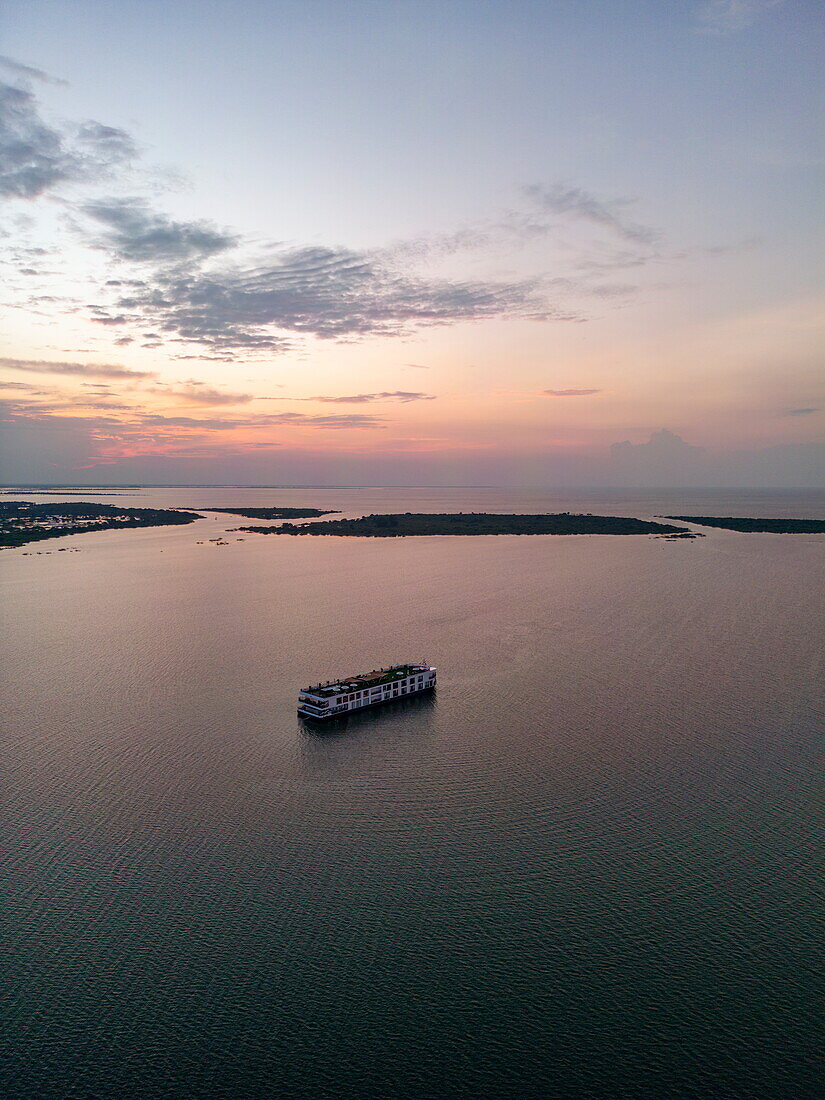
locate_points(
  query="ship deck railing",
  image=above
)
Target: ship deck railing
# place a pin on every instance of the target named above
(377, 678)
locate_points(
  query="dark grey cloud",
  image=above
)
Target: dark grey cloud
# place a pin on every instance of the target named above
(29, 72)
(36, 157)
(32, 155)
(801, 412)
(387, 395)
(562, 199)
(90, 370)
(333, 294)
(570, 393)
(132, 230)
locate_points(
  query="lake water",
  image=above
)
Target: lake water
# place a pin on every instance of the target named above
(589, 865)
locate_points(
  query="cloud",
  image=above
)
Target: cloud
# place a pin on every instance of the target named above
(747, 244)
(661, 443)
(36, 157)
(28, 72)
(337, 420)
(197, 393)
(37, 444)
(29, 430)
(800, 412)
(730, 16)
(665, 459)
(83, 401)
(133, 231)
(108, 145)
(201, 288)
(91, 370)
(547, 203)
(570, 393)
(257, 420)
(330, 293)
(363, 398)
(562, 199)
(32, 155)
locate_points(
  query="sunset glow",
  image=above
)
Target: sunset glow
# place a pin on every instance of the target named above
(409, 244)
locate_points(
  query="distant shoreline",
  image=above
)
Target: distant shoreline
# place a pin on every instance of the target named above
(563, 490)
(758, 526)
(473, 523)
(275, 513)
(22, 523)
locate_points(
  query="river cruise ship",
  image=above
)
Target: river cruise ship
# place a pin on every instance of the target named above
(370, 689)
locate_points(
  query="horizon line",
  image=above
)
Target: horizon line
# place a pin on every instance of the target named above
(23, 487)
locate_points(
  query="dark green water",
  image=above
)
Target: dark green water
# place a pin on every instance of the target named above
(590, 865)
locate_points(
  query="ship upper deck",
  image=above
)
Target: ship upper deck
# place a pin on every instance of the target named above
(364, 680)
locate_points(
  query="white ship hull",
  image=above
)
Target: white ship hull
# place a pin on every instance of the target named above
(365, 691)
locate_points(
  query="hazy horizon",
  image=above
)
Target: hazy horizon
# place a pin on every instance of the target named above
(779, 490)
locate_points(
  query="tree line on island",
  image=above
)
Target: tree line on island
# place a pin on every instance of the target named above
(473, 523)
(275, 513)
(760, 526)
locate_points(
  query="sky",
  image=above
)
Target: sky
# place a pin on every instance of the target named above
(404, 242)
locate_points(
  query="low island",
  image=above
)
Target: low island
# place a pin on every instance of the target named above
(22, 522)
(763, 526)
(275, 513)
(472, 523)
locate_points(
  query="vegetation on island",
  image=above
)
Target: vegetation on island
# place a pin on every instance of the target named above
(275, 513)
(22, 522)
(472, 523)
(762, 526)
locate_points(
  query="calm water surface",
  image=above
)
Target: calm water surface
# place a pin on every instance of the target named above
(590, 865)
